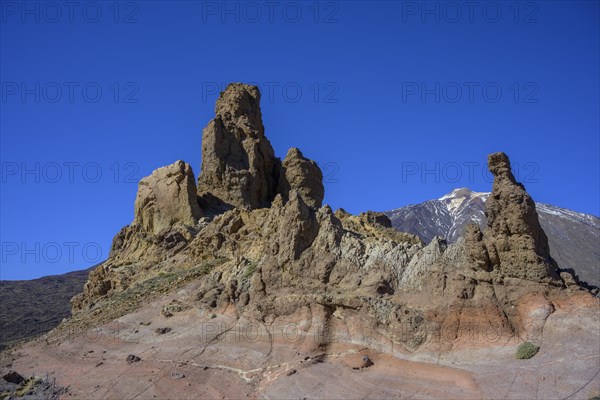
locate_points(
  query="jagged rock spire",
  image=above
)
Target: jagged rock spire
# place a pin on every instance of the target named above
(239, 167)
(516, 244)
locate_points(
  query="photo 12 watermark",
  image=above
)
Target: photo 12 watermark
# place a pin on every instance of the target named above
(69, 92)
(470, 92)
(70, 12)
(270, 12)
(50, 252)
(463, 172)
(470, 12)
(68, 172)
(287, 92)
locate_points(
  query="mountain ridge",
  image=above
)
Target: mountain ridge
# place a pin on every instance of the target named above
(36, 306)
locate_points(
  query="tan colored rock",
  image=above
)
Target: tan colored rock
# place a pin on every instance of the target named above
(239, 168)
(376, 218)
(167, 197)
(568, 279)
(279, 252)
(476, 252)
(304, 175)
(296, 228)
(516, 243)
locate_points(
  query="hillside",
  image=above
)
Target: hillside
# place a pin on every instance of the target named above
(33, 307)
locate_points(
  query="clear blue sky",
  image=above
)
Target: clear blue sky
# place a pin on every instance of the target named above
(389, 91)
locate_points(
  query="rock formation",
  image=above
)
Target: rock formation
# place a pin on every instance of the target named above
(239, 168)
(167, 197)
(304, 175)
(378, 218)
(316, 286)
(515, 243)
(274, 250)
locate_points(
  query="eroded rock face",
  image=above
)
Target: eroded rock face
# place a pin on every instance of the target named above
(167, 197)
(280, 251)
(166, 212)
(476, 251)
(294, 227)
(239, 168)
(515, 241)
(303, 175)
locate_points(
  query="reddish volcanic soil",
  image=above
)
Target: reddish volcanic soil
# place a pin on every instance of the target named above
(220, 356)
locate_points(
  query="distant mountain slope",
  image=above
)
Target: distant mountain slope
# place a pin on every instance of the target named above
(33, 307)
(574, 237)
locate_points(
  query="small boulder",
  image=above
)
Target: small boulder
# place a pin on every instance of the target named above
(133, 359)
(13, 377)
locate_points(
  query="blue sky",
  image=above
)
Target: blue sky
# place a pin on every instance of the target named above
(398, 102)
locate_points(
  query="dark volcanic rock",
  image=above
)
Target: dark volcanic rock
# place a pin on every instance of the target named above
(132, 359)
(13, 377)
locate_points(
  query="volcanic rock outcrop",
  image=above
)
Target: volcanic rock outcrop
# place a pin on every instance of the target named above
(304, 175)
(239, 168)
(167, 197)
(253, 288)
(514, 242)
(267, 247)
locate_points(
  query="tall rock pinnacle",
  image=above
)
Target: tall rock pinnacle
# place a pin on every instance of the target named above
(516, 242)
(239, 168)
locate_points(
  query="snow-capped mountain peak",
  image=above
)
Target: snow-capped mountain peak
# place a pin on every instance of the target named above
(462, 193)
(458, 199)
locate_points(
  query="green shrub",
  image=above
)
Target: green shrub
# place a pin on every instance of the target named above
(249, 271)
(526, 350)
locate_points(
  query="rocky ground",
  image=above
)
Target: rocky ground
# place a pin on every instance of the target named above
(246, 285)
(222, 354)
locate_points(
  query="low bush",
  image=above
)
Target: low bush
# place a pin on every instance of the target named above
(526, 350)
